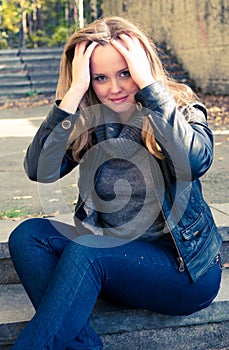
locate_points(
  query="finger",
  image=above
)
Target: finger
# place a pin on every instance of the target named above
(130, 41)
(119, 46)
(81, 47)
(84, 48)
(91, 48)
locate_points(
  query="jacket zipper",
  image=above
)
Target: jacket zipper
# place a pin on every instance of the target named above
(179, 258)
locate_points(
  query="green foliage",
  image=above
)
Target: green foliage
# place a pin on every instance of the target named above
(10, 16)
(14, 213)
(3, 40)
(59, 37)
(34, 23)
(37, 39)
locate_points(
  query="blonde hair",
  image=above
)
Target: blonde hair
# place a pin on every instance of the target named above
(102, 31)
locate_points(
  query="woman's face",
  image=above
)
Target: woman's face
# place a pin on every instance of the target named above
(112, 82)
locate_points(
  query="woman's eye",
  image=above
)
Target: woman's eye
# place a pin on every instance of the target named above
(125, 74)
(100, 78)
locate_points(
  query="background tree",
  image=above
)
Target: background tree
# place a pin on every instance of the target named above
(36, 23)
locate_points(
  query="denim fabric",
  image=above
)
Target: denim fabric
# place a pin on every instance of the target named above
(64, 279)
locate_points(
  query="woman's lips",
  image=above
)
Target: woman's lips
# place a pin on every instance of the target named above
(119, 99)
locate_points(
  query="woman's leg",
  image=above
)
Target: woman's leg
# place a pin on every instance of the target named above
(36, 246)
(146, 276)
(138, 273)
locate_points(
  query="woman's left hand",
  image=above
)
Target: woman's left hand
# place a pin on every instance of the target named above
(138, 64)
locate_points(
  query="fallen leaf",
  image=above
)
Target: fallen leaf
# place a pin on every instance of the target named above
(22, 197)
(51, 214)
(53, 200)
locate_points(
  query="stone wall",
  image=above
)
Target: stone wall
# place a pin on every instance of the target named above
(196, 31)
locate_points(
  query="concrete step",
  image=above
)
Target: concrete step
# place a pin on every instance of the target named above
(42, 51)
(28, 71)
(42, 64)
(45, 89)
(46, 75)
(41, 57)
(23, 92)
(16, 76)
(8, 53)
(173, 67)
(7, 67)
(50, 76)
(15, 84)
(126, 328)
(8, 275)
(9, 60)
(13, 95)
(11, 70)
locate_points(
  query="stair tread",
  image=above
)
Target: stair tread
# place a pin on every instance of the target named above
(41, 51)
(15, 83)
(27, 60)
(15, 308)
(220, 213)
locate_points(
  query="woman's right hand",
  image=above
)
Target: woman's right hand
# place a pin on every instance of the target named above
(80, 65)
(80, 76)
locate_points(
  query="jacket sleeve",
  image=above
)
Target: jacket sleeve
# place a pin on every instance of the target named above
(47, 158)
(186, 144)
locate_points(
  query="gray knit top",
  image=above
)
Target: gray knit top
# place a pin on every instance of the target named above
(124, 196)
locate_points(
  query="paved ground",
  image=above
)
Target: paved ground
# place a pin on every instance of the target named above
(17, 127)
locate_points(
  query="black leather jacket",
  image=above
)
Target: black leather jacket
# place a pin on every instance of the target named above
(187, 144)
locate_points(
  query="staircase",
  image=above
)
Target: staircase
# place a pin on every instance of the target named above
(173, 67)
(123, 327)
(28, 72)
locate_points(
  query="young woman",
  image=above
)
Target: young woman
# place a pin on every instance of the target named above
(143, 233)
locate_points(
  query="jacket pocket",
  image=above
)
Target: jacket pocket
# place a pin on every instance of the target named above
(195, 228)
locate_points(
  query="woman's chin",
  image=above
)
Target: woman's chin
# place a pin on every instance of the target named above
(124, 108)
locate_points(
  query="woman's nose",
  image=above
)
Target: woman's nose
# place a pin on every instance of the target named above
(115, 86)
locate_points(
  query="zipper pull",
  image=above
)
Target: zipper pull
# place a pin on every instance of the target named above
(181, 264)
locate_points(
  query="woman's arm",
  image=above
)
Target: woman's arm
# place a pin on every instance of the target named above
(47, 158)
(187, 146)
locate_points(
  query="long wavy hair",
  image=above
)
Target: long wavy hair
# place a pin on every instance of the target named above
(102, 31)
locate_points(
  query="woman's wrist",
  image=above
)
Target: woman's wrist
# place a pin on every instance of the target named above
(146, 82)
(71, 100)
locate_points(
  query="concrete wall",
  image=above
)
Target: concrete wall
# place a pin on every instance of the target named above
(197, 31)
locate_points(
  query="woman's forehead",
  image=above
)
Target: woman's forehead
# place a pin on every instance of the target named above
(106, 57)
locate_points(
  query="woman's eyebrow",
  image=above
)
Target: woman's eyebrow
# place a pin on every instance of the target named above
(119, 71)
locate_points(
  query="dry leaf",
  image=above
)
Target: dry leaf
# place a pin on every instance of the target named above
(53, 200)
(22, 197)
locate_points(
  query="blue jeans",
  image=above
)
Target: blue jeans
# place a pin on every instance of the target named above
(63, 279)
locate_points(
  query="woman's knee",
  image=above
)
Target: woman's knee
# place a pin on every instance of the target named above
(22, 234)
(81, 253)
